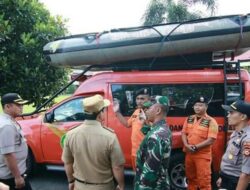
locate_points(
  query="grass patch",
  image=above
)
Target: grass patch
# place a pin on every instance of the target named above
(29, 108)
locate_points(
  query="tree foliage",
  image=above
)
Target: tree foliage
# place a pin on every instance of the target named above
(165, 11)
(25, 27)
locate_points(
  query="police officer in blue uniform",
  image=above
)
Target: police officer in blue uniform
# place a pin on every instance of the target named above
(235, 166)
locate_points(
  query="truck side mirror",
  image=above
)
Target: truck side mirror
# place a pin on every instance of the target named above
(49, 117)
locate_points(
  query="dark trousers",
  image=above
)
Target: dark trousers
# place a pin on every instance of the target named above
(11, 183)
(229, 182)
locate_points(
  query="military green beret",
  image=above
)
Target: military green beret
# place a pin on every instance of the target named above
(163, 100)
(147, 104)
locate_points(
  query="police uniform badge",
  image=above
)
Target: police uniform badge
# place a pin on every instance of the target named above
(231, 151)
(230, 156)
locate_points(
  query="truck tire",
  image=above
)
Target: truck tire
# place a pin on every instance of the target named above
(177, 172)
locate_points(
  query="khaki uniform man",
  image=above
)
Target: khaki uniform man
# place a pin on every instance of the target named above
(91, 153)
(13, 147)
(235, 164)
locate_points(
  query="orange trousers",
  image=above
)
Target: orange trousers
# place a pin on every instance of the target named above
(133, 160)
(198, 172)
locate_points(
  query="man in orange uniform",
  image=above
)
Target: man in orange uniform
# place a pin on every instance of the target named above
(198, 134)
(137, 136)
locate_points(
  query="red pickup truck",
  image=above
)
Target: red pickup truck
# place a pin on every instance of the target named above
(44, 131)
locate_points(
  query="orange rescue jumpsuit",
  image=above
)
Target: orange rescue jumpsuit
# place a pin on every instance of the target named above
(136, 135)
(198, 164)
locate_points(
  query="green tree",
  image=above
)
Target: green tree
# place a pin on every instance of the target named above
(25, 27)
(165, 11)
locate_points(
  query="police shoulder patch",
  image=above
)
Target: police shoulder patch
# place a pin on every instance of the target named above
(109, 129)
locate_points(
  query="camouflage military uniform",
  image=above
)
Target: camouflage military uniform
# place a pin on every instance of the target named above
(153, 158)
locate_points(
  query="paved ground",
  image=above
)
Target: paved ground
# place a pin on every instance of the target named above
(51, 180)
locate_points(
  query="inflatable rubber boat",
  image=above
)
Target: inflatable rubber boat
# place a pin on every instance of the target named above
(120, 45)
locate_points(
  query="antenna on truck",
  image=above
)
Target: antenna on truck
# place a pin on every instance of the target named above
(39, 108)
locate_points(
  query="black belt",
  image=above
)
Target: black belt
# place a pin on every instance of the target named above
(89, 183)
(233, 179)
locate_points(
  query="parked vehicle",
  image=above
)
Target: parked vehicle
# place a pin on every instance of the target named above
(173, 60)
(43, 132)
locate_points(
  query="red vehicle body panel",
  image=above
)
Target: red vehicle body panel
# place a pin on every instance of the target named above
(45, 144)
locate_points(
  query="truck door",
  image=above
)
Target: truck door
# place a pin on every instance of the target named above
(64, 117)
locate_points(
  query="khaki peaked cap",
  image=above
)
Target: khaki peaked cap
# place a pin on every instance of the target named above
(94, 104)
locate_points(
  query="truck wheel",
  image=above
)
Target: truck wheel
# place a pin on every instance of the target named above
(177, 172)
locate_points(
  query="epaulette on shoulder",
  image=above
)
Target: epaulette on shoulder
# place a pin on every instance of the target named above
(74, 127)
(205, 122)
(109, 129)
(190, 119)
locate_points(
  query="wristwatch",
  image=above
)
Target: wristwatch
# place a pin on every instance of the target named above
(194, 148)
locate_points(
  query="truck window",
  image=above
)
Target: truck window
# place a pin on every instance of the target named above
(71, 110)
(180, 97)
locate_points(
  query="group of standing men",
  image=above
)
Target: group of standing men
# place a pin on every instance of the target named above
(153, 150)
(93, 157)
(150, 139)
(198, 135)
(200, 132)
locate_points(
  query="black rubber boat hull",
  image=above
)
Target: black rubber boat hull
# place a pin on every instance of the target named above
(204, 35)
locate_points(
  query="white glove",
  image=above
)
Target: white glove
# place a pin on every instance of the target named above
(142, 115)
